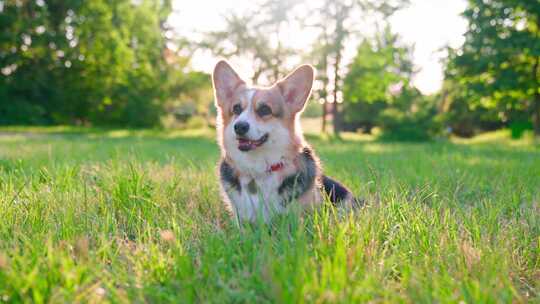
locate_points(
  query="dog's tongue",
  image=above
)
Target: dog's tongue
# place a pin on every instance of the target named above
(246, 144)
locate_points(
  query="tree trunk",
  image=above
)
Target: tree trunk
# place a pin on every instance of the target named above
(536, 115)
(336, 118)
(324, 116)
(255, 77)
(536, 100)
(277, 66)
(324, 91)
(335, 110)
(341, 13)
(324, 77)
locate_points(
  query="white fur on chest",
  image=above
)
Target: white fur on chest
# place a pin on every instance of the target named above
(261, 199)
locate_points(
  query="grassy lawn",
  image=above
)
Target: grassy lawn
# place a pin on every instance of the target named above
(135, 216)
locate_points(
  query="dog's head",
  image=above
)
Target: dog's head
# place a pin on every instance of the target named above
(258, 120)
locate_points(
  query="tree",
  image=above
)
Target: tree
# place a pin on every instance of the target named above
(123, 47)
(380, 69)
(463, 117)
(32, 37)
(337, 22)
(500, 59)
(377, 91)
(256, 35)
(98, 62)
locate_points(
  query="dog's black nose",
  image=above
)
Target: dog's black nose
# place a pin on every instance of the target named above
(241, 127)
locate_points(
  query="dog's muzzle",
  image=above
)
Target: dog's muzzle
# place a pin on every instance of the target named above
(245, 144)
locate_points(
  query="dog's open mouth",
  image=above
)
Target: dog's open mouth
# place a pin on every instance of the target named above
(245, 144)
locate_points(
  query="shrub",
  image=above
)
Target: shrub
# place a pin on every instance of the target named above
(403, 126)
(20, 112)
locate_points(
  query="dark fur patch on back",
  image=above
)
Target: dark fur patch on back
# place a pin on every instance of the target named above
(335, 190)
(293, 186)
(228, 176)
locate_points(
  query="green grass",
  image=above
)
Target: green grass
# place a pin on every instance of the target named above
(135, 216)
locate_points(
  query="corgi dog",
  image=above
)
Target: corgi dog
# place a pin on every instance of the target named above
(266, 164)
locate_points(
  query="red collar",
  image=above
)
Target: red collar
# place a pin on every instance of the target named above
(275, 167)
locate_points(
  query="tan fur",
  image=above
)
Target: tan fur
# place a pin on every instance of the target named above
(225, 108)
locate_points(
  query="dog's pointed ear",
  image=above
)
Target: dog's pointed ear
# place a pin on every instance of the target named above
(296, 87)
(225, 81)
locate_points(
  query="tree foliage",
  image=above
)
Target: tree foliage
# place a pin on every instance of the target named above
(97, 61)
(256, 36)
(337, 22)
(377, 91)
(498, 67)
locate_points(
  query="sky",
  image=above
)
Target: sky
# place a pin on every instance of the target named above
(427, 24)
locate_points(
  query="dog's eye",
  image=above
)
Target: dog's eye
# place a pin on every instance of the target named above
(264, 110)
(237, 109)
